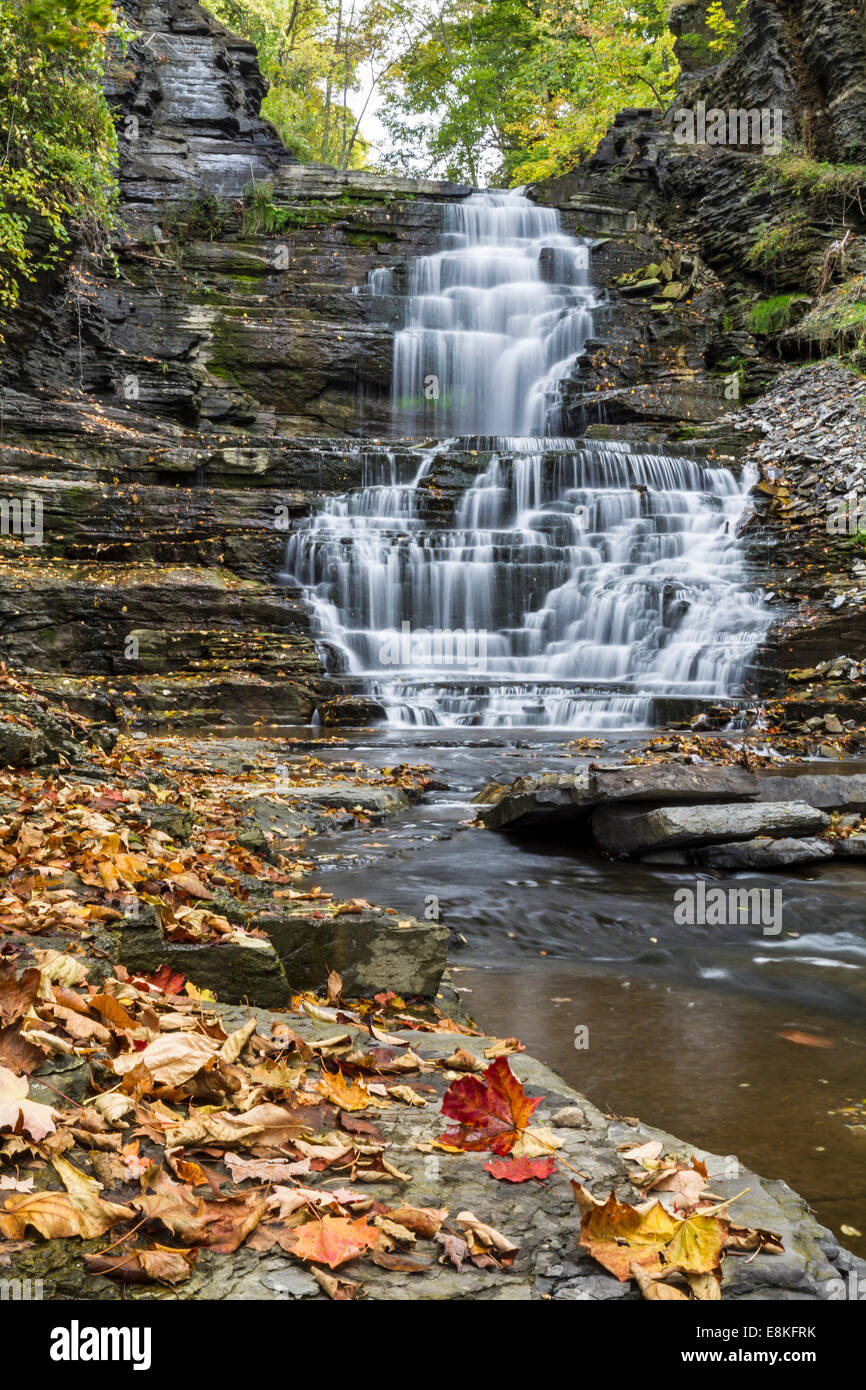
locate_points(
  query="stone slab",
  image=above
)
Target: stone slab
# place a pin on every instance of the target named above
(371, 951)
(634, 830)
(827, 791)
(763, 853)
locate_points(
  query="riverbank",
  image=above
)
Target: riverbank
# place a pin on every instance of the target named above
(64, 1042)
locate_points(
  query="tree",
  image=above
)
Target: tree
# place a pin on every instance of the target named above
(57, 139)
(514, 90)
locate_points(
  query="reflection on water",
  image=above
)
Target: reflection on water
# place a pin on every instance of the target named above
(709, 1068)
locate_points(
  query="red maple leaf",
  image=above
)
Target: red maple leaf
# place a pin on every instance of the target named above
(491, 1110)
(165, 979)
(521, 1169)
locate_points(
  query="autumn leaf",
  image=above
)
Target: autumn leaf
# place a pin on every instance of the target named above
(340, 1290)
(19, 1114)
(170, 1059)
(333, 1240)
(620, 1236)
(521, 1169)
(492, 1111)
(16, 1053)
(346, 1094)
(156, 1265)
(79, 1211)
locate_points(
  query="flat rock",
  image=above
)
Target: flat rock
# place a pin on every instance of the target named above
(371, 950)
(677, 783)
(763, 853)
(537, 803)
(827, 791)
(627, 831)
(347, 796)
(542, 1219)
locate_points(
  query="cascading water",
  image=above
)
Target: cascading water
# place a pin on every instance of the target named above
(575, 583)
(493, 321)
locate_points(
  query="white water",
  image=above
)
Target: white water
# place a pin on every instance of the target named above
(590, 579)
(493, 321)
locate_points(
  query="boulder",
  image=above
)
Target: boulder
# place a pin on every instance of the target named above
(634, 830)
(371, 950)
(352, 710)
(537, 803)
(763, 853)
(246, 968)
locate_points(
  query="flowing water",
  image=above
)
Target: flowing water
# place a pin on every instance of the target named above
(506, 576)
(572, 583)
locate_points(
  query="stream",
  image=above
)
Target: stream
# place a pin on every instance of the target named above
(685, 1024)
(571, 585)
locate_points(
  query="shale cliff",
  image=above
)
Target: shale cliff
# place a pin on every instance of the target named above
(173, 419)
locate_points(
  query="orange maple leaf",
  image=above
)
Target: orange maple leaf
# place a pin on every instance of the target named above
(333, 1240)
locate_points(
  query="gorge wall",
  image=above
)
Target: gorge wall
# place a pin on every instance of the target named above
(172, 420)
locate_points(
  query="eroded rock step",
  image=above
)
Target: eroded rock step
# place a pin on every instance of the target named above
(542, 1219)
(723, 818)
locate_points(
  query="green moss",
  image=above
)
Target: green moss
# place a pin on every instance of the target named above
(818, 181)
(774, 243)
(774, 315)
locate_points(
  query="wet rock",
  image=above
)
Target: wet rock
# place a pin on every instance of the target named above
(623, 831)
(371, 950)
(352, 710)
(763, 853)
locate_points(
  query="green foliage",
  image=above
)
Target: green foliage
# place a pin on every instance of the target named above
(261, 216)
(509, 91)
(57, 140)
(774, 315)
(205, 218)
(726, 30)
(821, 183)
(316, 55)
(774, 243)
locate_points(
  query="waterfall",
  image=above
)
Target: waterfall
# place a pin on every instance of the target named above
(572, 584)
(493, 321)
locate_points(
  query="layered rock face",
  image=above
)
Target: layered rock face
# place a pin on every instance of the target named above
(171, 421)
(188, 101)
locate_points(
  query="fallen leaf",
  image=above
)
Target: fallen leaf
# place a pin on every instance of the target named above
(521, 1169)
(333, 1240)
(491, 1111)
